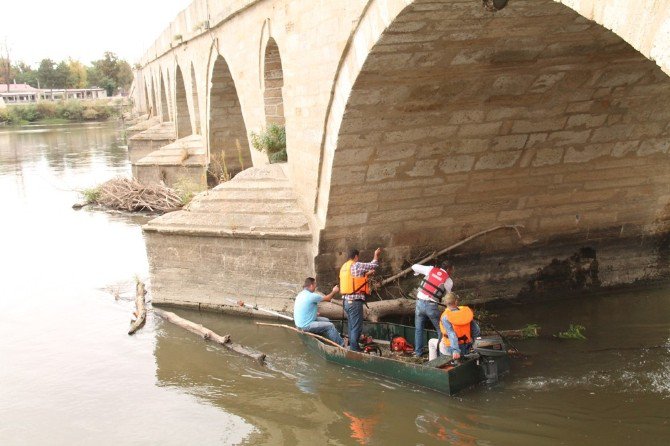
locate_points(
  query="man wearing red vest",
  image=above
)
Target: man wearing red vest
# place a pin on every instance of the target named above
(436, 283)
(457, 327)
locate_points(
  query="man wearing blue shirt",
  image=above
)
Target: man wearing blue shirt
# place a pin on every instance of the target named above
(305, 312)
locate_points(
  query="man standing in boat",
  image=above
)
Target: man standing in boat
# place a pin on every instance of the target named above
(436, 283)
(305, 312)
(457, 327)
(355, 288)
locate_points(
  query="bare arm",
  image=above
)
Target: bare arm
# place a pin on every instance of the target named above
(328, 297)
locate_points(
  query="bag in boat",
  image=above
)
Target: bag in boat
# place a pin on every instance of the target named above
(400, 344)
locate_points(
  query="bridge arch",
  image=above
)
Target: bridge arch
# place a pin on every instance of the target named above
(182, 116)
(196, 100)
(163, 95)
(227, 132)
(273, 83)
(458, 120)
(148, 91)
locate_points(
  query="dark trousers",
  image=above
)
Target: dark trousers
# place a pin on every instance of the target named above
(354, 309)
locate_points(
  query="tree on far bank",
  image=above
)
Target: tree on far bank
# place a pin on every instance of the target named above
(78, 74)
(62, 75)
(5, 63)
(24, 74)
(110, 73)
(46, 73)
(126, 76)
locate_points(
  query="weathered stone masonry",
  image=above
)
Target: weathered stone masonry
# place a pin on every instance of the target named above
(411, 124)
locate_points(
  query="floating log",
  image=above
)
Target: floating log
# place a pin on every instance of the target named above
(374, 312)
(208, 334)
(141, 312)
(326, 340)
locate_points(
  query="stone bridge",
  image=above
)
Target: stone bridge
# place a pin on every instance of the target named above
(410, 124)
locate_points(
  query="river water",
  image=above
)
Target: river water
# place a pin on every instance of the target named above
(69, 373)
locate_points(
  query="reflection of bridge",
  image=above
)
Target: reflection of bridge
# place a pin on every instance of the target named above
(410, 124)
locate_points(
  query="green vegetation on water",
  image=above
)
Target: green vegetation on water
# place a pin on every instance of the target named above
(91, 195)
(574, 332)
(530, 331)
(58, 112)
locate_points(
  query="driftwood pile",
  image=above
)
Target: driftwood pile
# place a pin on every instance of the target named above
(130, 195)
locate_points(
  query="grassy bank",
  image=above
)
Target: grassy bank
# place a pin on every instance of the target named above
(58, 112)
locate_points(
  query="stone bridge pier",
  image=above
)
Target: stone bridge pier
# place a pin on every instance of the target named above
(410, 125)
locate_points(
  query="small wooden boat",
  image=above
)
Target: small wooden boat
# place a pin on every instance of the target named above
(488, 361)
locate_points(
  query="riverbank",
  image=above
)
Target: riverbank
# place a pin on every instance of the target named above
(47, 112)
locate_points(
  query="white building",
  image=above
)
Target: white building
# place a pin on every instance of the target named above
(24, 94)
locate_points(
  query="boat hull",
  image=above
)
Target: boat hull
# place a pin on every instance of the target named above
(449, 380)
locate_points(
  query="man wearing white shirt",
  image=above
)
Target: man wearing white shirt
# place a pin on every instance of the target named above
(436, 283)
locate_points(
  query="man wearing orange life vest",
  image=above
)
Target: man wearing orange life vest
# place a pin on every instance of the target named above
(436, 283)
(458, 328)
(354, 287)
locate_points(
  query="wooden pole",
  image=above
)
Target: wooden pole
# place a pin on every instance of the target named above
(326, 340)
(257, 308)
(141, 311)
(455, 245)
(208, 334)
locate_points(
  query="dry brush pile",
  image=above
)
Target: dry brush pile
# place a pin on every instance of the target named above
(130, 195)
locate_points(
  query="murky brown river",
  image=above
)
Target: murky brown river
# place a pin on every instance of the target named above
(69, 373)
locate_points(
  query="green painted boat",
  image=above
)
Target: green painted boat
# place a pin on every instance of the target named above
(442, 376)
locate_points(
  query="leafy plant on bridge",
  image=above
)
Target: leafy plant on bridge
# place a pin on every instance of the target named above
(271, 141)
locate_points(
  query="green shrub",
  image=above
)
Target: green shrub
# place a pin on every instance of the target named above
(279, 157)
(24, 113)
(91, 195)
(185, 189)
(4, 115)
(271, 141)
(90, 114)
(71, 110)
(46, 109)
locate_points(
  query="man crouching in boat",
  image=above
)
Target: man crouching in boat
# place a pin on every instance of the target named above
(458, 329)
(305, 312)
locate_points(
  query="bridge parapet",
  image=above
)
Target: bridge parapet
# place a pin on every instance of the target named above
(196, 19)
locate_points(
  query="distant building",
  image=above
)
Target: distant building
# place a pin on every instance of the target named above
(24, 93)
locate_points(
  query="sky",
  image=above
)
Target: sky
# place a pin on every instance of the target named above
(83, 30)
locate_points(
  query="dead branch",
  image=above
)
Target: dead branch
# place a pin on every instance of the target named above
(141, 312)
(445, 250)
(130, 195)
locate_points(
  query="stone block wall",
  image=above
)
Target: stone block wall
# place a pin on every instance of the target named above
(139, 148)
(192, 269)
(543, 119)
(415, 123)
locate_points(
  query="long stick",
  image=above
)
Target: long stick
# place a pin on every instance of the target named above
(252, 307)
(455, 245)
(326, 340)
(140, 291)
(208, 334)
